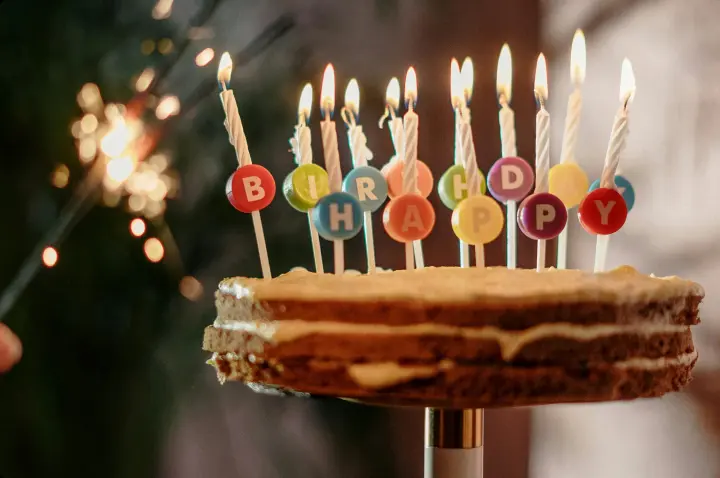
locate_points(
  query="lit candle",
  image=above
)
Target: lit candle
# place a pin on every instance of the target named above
(572, 119)
(392, 103)
(397, 135)
(574, 179)
(330, 150)
(304, 155)
(410, 124)
(360, 156)
(618, 138)
(234, 126)
(542, 144)
(461, 91)
(506, 117)
(410, 168)
(504, 92)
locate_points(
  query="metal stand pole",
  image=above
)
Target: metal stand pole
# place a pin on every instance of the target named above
(453, 443)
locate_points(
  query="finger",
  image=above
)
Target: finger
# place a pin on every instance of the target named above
(10, 349)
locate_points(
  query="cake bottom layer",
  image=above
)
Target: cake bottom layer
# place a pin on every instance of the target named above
(447, 384)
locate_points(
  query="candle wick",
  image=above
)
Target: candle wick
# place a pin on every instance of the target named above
(224, 86)
(540, 99)
(502, 99)
(348, 116)
(388, 112)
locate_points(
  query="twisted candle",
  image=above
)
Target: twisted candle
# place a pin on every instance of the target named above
(304, 141)
(410, 157)
(618, 138)
(542, 150)
(507, 128)
(572, 122)
(469, 159)
(332, 155)
(233, 125)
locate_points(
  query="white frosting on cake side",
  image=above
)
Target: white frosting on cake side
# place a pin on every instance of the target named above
(510, 342)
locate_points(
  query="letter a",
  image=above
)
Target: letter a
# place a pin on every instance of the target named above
(412, 219)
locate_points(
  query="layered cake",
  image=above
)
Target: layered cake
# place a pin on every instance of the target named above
(458, 337)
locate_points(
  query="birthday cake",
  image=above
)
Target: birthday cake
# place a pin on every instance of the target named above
(458, 337)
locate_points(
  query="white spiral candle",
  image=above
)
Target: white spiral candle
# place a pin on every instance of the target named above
(234, 127)
(572, 122)
(469, 159)
(411, 147)
(332, 155)
(507, 130)
(618, 138)
(542, 150)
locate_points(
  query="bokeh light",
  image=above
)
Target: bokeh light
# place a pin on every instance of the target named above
(162, 9)
(205, 57)
(61, 176)
(49, 256)
(88, 123)
(154, 250)
(119, 169)
(137, 227)
(168, 106)
(165, 46)
(191, 288)
(147, 47)
(87, 149)
(144, 80)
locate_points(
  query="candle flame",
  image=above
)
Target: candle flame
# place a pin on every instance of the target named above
(541, 81)
(392, 94)
(225, 69)
(327, 92)
(305, 105)
(352, 97)
(411, 87)
(627, 82)
(504, 73)
(467, 73)
(578, 58)
(455, 83)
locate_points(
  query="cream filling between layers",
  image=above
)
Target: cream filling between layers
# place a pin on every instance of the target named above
(385, 374)
(510, 342)
(379, 375)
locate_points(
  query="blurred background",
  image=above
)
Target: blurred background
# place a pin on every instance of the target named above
(109, 263)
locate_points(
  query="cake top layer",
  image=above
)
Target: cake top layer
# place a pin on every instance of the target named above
(454, 285)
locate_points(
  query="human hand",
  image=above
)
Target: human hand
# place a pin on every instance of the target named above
(10, 348)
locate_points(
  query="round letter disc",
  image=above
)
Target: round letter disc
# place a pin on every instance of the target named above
(478, 220)
(368, 185)
(337, 216)
(542, 216)
(409, 217)
(250, 188)
(510, 179)
(603, 211)
(568, 182)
